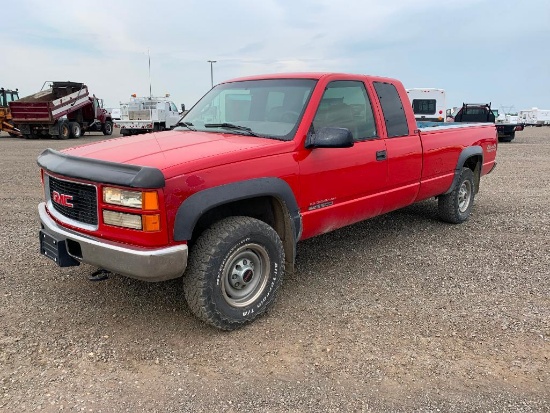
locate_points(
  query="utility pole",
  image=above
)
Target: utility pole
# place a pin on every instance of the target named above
(211, 72)
(150, 90)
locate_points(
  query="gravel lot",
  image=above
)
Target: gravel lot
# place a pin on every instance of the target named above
(398, 313)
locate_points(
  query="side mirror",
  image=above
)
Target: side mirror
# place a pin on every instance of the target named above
(183, 107)
(330, 137)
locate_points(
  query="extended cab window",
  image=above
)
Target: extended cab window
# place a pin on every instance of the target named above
(392, 107)
(345, 104)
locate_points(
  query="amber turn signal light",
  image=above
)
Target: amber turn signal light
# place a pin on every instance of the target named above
(151, 223)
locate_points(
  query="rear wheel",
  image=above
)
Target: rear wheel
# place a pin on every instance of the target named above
(64, 130)
(235, 269)
(76, 130)
(107, 128)
(455, 207)
(508, 138)
(31, 135)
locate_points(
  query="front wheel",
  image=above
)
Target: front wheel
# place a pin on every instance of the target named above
(455, 207)
(235, 269)
(108, 128)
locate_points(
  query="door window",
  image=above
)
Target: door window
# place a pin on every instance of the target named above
(345, 104)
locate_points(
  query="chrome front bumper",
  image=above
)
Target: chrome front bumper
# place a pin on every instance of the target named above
(134, 262)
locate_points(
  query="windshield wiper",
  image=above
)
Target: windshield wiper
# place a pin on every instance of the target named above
(186, 124)
(226, 125)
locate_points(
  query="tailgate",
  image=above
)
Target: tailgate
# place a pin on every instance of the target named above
(23, 112)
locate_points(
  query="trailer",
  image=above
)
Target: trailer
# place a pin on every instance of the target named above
(147, 114)
(428, 104)
(63, 110)
(534, 117)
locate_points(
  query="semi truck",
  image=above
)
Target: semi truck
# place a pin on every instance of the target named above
(147, 114)
(61, 110)
(257, 165)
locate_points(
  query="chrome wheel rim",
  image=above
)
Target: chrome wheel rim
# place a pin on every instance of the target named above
(245, 275)
(464, 196)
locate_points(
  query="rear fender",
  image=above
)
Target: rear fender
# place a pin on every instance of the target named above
(465, 155)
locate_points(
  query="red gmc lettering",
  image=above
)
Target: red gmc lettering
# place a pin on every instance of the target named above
(62, 199)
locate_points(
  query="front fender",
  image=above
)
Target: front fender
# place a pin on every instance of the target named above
(197, 204)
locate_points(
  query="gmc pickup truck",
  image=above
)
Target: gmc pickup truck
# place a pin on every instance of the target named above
(257, 165)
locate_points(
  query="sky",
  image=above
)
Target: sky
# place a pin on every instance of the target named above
(479, 51)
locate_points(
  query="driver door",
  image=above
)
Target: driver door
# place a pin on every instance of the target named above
(341, 186)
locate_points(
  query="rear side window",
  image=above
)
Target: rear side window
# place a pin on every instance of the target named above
(423, 106)
(392, 107)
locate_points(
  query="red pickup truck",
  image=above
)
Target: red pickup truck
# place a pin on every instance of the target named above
(258, 164)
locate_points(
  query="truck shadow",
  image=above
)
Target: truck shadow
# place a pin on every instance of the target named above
(163, 304)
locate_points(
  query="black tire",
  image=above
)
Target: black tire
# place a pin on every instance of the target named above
(64, 130)
(75, 130)
(509, 138)
(455, 207)
(235, 269)
(107, 128)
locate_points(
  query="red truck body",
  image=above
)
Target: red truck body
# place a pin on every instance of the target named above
(301, 186)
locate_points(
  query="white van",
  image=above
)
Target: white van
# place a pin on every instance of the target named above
(428, 104)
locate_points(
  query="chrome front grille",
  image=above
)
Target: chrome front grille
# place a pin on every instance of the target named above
(74, 200)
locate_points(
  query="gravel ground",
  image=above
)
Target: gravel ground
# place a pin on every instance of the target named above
(398, 313)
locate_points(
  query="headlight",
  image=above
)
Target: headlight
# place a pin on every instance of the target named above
(120, 219)
(131, 199)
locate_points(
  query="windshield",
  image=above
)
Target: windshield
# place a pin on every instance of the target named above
(268, 108)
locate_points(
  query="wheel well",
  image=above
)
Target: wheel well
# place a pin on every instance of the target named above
(474, 164)
(265, 208)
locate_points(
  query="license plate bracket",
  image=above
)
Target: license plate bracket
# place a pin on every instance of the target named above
(55, 248)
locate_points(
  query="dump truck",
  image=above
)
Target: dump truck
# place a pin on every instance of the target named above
(6, 123)
(63, 110)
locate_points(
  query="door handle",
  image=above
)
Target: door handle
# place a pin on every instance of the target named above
(381, 155)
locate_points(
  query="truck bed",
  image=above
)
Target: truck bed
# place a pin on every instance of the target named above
(49, 105)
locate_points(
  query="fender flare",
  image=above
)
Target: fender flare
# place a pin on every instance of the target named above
(190, 211)
(464, 155)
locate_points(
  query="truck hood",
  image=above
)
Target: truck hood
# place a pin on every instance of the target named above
(176, 152)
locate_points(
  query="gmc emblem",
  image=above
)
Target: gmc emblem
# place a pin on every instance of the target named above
(62, 199)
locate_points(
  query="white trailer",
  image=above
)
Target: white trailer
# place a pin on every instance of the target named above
(147, 114)
(428, 104)
(534, 116)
